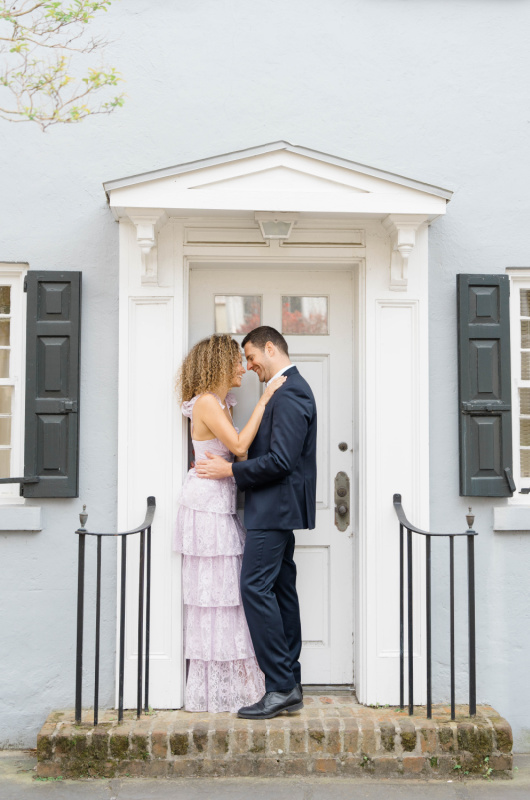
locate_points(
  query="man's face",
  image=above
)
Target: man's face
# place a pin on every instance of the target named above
(259, 362)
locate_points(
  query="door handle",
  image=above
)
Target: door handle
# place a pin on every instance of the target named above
(342, 501)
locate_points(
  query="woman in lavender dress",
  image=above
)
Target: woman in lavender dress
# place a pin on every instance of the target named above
(223, 674)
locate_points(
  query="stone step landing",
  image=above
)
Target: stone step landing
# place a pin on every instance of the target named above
(331, 736)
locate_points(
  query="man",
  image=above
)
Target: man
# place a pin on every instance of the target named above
(279, 479)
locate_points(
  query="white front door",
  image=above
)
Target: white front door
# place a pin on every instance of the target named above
(314, 309)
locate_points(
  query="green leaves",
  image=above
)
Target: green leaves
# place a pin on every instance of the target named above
(43, 77)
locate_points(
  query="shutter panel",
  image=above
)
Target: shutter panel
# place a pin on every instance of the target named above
(52, 383)
(485, 386)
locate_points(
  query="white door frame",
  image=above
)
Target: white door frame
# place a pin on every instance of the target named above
(391, 425)
(213, 206)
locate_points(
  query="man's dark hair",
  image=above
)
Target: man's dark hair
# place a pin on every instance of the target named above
(260, 336)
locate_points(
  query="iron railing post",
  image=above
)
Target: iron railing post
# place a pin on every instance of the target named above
(401, 623)
(452, 618)
(98, 621)
(140, 625)
(80, 610)
(471, 625)
(410, 622)
(428, 621)
(147, 619)
(121, 668)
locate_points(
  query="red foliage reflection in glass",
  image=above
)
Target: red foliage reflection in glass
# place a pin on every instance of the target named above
(295, 322)
(252, 318)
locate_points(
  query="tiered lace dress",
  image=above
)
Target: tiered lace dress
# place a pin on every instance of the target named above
(223, 673)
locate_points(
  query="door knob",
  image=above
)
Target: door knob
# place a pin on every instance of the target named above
(342, 510)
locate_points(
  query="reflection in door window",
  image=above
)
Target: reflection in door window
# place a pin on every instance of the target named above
(307, 315)
(237, 313)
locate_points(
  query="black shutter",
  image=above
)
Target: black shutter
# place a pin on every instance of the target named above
(52, 383)
(485, 386)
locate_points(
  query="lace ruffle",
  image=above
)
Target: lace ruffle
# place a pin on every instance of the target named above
(216, 634)
(207, 533)
(211, 581)
(217, 686)
(205, 495)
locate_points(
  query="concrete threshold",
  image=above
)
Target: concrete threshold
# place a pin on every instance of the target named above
(332, 736)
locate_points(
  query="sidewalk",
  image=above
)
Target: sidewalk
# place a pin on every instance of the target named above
(17, 782)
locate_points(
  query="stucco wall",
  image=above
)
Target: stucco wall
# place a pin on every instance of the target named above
(426, 89)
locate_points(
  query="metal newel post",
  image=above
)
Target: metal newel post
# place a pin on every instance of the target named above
(410, 623)
(471, 618)
(452, 618)
(98, 626)
(122, 626)
(401, 624)
(428, 600)
(140, 624)
(147, 619)
(80, 610)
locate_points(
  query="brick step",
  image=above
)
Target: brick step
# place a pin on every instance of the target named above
(331, 736)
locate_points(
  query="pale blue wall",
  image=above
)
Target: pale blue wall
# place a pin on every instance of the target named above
(437, 91)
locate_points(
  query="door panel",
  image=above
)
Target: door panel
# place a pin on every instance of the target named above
(323, 556)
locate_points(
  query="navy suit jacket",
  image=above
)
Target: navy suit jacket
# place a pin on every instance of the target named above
(279, 477)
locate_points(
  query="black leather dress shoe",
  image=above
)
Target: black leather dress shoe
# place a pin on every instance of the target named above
(272, 704)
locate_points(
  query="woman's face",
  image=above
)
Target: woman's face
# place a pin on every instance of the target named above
(239, 371)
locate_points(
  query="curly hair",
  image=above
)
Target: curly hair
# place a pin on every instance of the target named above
(209, 364)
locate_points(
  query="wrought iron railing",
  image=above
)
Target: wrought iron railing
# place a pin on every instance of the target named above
(144, 582)
(404, 524)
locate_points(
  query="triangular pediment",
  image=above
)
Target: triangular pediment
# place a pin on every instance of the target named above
(278, 176)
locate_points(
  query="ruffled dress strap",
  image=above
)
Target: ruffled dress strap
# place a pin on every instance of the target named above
(187, 406)
(230, 400)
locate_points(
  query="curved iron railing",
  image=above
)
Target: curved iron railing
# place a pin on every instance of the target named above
(144, 579)
(404, 524)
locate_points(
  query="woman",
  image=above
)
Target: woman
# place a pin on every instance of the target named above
(223, 674)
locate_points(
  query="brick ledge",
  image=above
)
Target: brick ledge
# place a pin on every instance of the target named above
(332, 736)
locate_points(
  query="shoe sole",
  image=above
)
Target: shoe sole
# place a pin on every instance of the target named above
(290, 709)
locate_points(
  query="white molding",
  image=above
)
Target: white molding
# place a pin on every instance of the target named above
(376, 660)
(512, 518)
(402, 230)
(147, 229)
(13, 273)
(20, 518)
(273, 147)
(289, 179)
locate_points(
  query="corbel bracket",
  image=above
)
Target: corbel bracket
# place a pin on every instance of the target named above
(147, 228)
(402, 230)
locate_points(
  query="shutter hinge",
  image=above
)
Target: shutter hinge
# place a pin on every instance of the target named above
(26, 283)
(484, 408)
(69, 406)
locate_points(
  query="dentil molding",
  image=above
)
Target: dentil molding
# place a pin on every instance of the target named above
(402, 230)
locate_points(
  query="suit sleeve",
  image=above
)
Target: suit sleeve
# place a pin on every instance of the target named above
(291, 416)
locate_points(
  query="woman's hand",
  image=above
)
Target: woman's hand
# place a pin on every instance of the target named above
(271, 388)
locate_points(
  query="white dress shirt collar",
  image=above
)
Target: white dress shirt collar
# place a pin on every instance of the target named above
(280, 372)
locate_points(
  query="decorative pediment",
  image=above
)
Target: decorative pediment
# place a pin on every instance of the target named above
(273, 178)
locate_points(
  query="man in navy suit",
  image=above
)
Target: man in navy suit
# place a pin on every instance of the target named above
(279, 479)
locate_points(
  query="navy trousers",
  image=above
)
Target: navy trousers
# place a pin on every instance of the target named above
(268, 590)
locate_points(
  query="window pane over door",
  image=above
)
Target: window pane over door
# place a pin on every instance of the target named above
(304, 315)
(237, 313)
